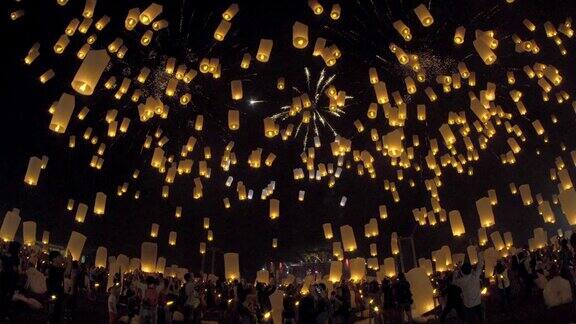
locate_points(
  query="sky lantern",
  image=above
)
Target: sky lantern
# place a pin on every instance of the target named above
(230, 12)
(274, 211)
(526, 194)
(568, 204)
(357, 269)
(101, 257)
(508, 241)
(150, 13)
(316, 7)
(424, 15)
(299, 35)
(472, 254)
(485, 212)
(335, 274)
(62, 113)
(100, 203)
(75, 245)
(422, 292)
(33, 171)
(222, 30)
(348, 239)
(497, 240)
(81, 212)
(90, 71)
(148, 255)
(263, 276)
(264, 49)
(231, 266)
(456, 223)
(327, 228)
(29, 233)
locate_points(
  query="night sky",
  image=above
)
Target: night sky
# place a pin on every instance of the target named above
(363, 34)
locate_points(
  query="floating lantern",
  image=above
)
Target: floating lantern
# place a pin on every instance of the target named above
(100, 203)
(299, 35)
(222, 30)
(335, 271)
(274, 211)
(172, 238)
(10, 226)
(484, 208)
(230, 12)
(29, 233)
(62, 113)
(422, 292)
(101, 257)
(497, 240)
(264, 49)
(424, 15)
(567, 200)
(327, 227)
(81, 212)
(526, 194)
(456, 223)
(263, 276)
(231, 266)
(348, 239)
(90, 71)
(236, 89)
(75, 245)
(33, 171)
(149, 14)
(357, 269)
(148, 257)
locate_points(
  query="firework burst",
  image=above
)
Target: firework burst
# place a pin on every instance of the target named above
(314, 106)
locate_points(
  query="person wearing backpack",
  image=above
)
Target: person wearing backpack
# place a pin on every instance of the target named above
(149, 305)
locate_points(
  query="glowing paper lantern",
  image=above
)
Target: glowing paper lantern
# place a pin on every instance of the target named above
(263, 276)
(472, 254)
(299, 35)
(236, 89)
(335, 271)
(230, 12)
(508, 239)
(90, 71)
(33, 171)
(568, 204)
(29, 233)
(101, 257)
(456, 223)
(274, 211)
(222, 30)
(490, 257)
(357, 269)
(100, 203)
(10, 226)
(231, 266)
(328, 234)
(149, 14)
(390, 267)
(264, 49)
(172, 238)
(75, 245)
(81, 212)
(422, 292)
(45, 237)
(485, 212)
(148, 255)
(62, 113)
(526, 194)
(497, 240)
(424, 15)
(484, 51)
(348, 239)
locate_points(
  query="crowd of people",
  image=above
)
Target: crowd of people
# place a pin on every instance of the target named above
(49, 283)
